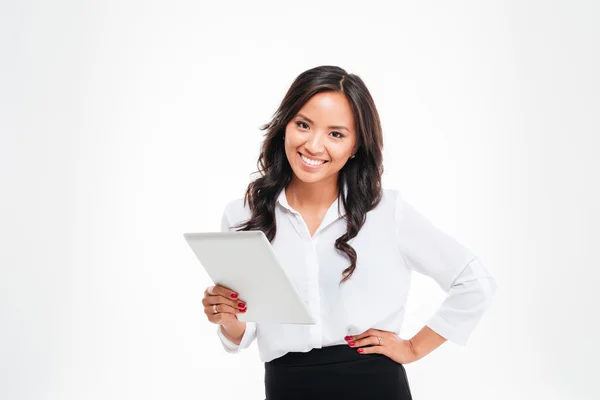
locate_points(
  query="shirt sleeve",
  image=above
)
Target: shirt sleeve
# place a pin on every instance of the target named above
(250, 332)
(247, 339)
(468, 284)
(465, 303)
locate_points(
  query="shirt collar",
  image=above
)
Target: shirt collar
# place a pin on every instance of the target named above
(331, 212)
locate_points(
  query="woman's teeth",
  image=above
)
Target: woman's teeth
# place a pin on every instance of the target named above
(311, 162)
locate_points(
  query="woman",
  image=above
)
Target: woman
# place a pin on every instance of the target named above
(349, 246)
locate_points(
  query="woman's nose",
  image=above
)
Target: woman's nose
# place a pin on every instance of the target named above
(315, 144)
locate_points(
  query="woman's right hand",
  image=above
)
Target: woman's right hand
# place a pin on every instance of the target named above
(222, 305)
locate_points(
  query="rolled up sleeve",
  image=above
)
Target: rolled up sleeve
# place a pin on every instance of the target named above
(431, 252)
(247, 338)
(465, 304)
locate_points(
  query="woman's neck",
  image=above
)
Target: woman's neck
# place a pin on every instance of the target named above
(311, 196)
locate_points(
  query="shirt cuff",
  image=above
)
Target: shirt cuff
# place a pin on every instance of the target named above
(466, 302)
(247, 338)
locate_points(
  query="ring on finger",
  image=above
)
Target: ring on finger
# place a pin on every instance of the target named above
(215, 309)
(379, 338)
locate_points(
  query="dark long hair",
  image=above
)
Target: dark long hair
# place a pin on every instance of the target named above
(362, 174)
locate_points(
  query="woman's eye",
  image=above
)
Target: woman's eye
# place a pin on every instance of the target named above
(304, 125)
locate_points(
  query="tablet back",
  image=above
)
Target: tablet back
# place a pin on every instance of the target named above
(246, 263)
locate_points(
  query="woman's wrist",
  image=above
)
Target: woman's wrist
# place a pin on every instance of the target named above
(234, 331)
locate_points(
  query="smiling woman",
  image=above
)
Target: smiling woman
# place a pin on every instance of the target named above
(349, 247)
(328, 116)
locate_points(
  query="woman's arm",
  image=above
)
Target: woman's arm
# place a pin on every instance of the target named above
(469, 285)
(236, 335)
(425, 341)
(465, 303)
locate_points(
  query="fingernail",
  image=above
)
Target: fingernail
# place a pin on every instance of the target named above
(243, 310)
(351, 343)
(360, 350)
(234, 295)
(241, 305)
(348, 337)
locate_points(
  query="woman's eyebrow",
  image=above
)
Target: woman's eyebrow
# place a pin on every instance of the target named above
(331, 127)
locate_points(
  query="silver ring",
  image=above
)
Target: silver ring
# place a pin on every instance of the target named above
(215, 309)
(379, 340)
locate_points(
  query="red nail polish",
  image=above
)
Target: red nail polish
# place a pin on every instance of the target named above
(234, 295)
(241, 305)
(348, 337)
(360, 350)
(352, 343)
(243, 310)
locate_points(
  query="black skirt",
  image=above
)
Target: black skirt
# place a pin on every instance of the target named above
(335, 372)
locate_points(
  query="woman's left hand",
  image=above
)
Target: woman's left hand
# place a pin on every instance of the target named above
(392, 346)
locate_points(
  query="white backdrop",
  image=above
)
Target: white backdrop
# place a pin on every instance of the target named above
(126, 123)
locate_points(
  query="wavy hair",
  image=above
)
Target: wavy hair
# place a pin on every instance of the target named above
(362, 174)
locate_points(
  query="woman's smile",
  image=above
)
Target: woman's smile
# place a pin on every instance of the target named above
(310, 163)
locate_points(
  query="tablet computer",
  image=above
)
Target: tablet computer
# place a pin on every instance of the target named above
(245, 262)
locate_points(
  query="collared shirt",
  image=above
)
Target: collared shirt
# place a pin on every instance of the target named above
(394, 241)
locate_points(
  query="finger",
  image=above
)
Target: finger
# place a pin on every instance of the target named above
(368, 341)
(369, 332)
(372, 350)
(221, 291)
(210, 300)
(222, 309)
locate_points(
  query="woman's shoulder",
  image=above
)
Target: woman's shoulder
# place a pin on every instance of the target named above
(392, 203)
(391, 196)
(397, 201)
(391, 193)
(236, 211)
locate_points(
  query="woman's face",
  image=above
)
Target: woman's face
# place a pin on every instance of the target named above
(320, 138)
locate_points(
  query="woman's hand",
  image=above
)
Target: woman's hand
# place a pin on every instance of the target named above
(221, 305)
(392, 346)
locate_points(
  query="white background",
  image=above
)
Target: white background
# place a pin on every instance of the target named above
(125, 124)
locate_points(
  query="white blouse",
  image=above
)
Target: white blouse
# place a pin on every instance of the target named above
(395, 240)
